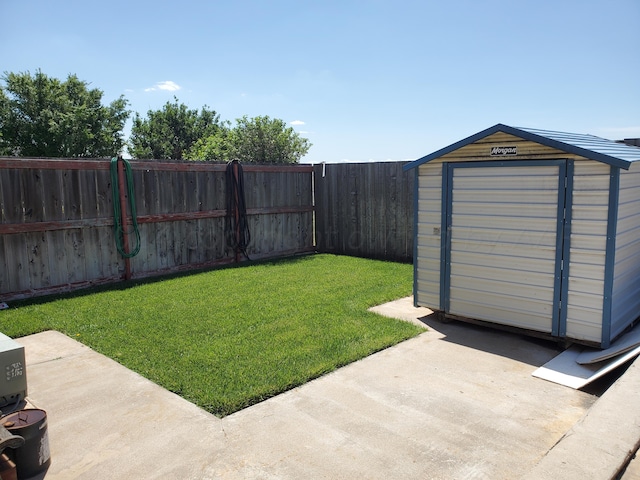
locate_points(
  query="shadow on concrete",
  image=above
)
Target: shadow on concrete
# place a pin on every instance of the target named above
(516, 346)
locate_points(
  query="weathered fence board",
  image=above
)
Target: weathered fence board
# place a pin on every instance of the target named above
(56, 220)
(364, 209)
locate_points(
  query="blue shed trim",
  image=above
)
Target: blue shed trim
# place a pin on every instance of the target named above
(588, 146)
(416, 189)
(513, 163)
(557, 278)
(445, 236)
(566, 248)
(610, 255)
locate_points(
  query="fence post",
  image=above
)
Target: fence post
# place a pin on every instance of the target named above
(236, 210)
(124, 220)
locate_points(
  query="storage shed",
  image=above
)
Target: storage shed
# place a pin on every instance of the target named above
(532, 229)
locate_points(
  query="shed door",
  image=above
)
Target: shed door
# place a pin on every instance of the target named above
(504, 223)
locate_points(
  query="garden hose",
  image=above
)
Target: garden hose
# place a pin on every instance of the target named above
(118, 228)
(237, 224)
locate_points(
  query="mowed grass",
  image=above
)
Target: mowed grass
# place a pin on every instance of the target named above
(229, 338)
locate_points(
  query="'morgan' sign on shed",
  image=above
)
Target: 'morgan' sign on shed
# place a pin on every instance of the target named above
(502, 151)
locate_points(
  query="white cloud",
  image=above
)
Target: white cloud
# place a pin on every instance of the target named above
(618, 133)
(621, 129)
(167, 85)
(297, 122)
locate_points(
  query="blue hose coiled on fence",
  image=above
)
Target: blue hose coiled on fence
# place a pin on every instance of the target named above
(118, 228)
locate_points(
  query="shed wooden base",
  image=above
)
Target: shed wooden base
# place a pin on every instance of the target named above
(562, 342)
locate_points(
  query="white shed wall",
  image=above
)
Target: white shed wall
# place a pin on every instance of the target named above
(626, 282)
(588, 247)
(428, 243)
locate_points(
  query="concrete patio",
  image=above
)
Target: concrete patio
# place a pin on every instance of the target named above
(458, 401)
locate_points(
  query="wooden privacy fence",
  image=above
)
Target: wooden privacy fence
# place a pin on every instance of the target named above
(364, 209)
(57, 220)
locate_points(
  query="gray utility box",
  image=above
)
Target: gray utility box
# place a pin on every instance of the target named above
(13, 371)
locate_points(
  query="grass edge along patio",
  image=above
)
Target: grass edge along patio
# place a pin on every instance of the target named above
(228, 338)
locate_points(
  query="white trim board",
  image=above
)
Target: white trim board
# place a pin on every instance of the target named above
(625, 343)
(565, 370)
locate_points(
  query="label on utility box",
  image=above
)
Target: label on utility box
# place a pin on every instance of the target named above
(14, 370)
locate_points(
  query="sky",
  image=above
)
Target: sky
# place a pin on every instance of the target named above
(362, 80)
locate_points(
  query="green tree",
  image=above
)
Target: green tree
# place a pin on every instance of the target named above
(171, 132)
(253, 140)
(265, 140)
(45, 117)
(216, 147)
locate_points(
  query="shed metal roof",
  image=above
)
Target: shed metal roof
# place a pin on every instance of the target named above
(588, 146)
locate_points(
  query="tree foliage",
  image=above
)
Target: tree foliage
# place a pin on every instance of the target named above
(266, 140)
(253, 140)
(169, 133)
(45, 117)
(216, 147)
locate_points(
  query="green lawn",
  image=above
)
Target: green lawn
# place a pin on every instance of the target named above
(226, 339)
